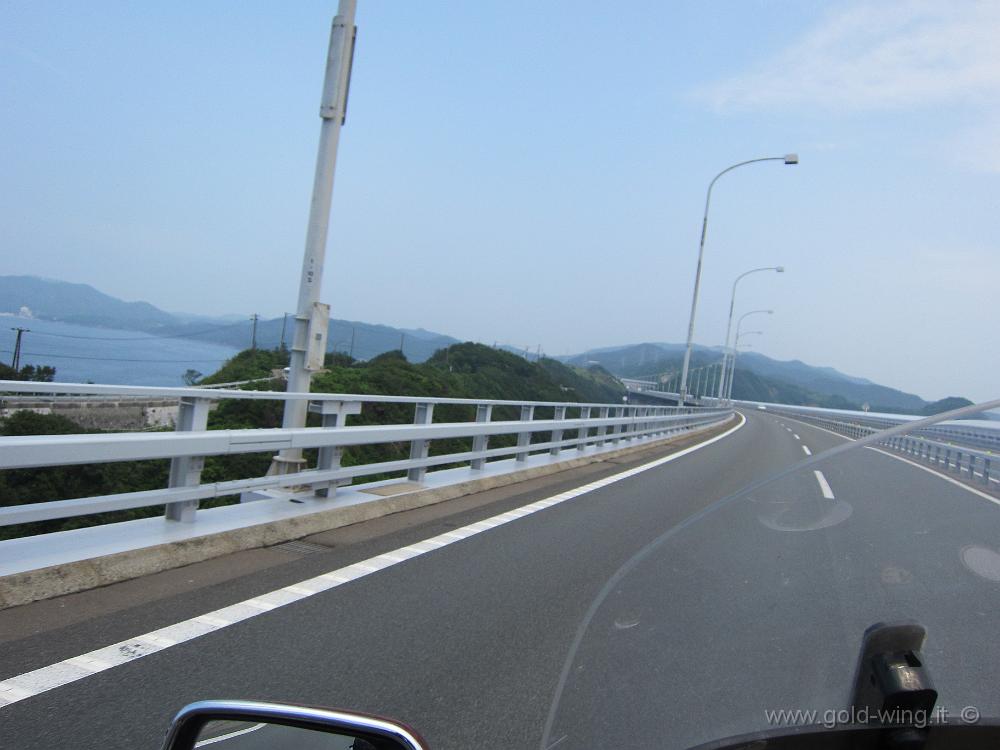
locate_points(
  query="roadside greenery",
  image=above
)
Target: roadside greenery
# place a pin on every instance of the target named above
(460, 371)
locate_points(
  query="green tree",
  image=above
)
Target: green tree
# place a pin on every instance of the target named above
(36, 373)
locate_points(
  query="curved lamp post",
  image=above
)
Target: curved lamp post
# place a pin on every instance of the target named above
(732, 366)
(787, 159)
(729, 324)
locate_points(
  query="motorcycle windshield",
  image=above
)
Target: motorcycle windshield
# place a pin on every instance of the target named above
(750, 615)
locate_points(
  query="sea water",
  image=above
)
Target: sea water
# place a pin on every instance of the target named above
(105, 355)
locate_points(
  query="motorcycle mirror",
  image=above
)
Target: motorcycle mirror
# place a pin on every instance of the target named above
(249, 725)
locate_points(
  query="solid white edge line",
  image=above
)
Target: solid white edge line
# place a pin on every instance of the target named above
(945, 477)
(824, 485)
(56, 675)
(914, 464)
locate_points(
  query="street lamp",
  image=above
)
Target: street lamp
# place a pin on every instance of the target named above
(736, 348)
(739, 326)
(786, 159)
(729, 325)
(311, 317)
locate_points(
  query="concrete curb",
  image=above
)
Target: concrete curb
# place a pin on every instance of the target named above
(57, 580)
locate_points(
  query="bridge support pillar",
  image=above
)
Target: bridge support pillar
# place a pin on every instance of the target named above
(484, 413)
(423, 414)
(603, 429)
(524, 438)
(333, 415)
(557, 435)
(185, 471)
(582, 432)
(616, 431)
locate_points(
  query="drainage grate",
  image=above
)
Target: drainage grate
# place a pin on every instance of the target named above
(301, 548)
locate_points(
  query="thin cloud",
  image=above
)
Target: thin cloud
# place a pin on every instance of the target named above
(879, 56)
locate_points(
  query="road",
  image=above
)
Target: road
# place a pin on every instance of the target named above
(759, 605)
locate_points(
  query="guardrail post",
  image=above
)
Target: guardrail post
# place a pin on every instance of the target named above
(185, 471)
(958, 461)
(667, 426)
(602, 413)
(582, 432)
(557, 435)
(524, 438)
(986, 470)
(333, 415)
(616, 431)
(422, 414)
(484, 413)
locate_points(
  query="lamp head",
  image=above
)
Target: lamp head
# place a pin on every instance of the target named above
(791, 158)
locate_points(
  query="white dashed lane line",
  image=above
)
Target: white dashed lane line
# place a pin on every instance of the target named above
(824, 486)
(805, 449)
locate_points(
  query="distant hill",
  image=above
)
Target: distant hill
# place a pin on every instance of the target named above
(81, 304)
(757, 378)
(78, 303)
(760, 378)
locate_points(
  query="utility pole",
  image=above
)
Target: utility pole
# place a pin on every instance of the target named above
(353, 331)
(312, 318)
(284, 321)
(253, 332)
(16, 363)
(402, 336)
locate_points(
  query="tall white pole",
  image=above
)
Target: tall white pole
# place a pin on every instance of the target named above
(310, 322)
(787, 159)
(736, 343)
(729, 324)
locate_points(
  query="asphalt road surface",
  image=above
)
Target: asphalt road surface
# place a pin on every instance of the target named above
(757, 606)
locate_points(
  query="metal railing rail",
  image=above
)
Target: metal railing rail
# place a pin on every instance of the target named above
(597, 426)
(19, 386)
(982, 434)
(967, 462)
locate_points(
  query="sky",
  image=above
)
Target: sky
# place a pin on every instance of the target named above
(529, 172)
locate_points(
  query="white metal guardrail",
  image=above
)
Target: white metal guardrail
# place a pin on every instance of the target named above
(970, 449)
(983, 434)
(572, 429)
